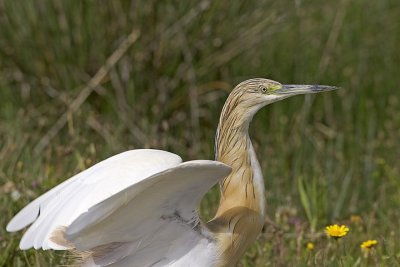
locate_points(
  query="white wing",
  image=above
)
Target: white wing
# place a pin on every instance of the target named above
(64, 203)
(137, 208)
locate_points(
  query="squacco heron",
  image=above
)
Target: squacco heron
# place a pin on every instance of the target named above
(139, 208)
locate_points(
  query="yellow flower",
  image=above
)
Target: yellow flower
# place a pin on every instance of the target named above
(368, 244)
(310, 246)
(336, 231)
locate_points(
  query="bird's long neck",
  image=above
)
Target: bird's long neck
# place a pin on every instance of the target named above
(244, 187)
(241, 212)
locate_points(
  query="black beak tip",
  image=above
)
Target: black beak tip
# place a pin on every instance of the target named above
(320, 88)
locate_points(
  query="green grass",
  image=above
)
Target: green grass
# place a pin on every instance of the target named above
(324, 158)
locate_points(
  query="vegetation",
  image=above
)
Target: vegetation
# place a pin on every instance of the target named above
(327, 159)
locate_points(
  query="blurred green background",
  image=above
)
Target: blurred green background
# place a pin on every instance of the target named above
(328, 158)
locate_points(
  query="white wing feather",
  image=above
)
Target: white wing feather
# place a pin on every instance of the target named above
(137, 208)
(62, 204)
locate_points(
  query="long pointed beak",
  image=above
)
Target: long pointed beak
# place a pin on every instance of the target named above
(296, 89)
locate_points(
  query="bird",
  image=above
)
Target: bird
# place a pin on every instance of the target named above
(139, 208)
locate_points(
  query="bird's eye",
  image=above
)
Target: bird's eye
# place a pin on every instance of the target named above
(263, 89)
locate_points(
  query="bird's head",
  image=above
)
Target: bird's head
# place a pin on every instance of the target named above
(251, 95)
